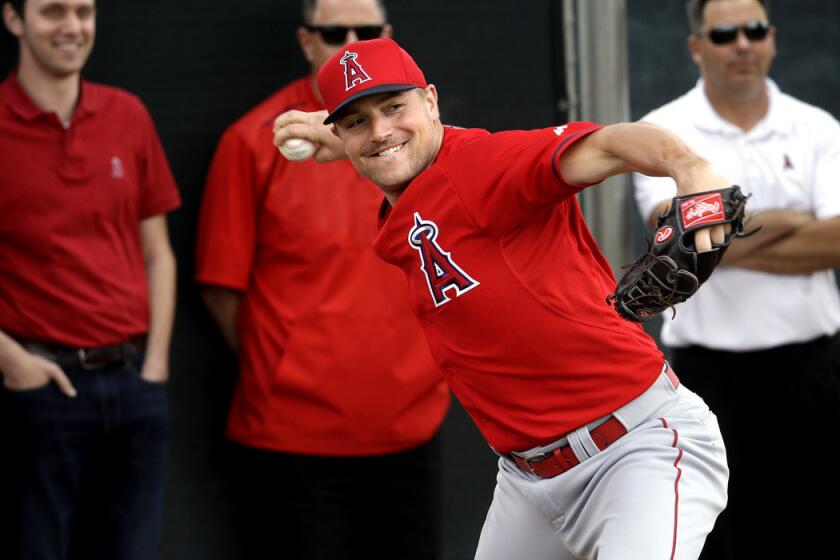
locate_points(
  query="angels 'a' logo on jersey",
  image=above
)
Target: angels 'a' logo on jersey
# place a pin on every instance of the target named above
(354, 74)
(442, 274)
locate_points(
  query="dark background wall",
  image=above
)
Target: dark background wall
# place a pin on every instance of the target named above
(199, 65)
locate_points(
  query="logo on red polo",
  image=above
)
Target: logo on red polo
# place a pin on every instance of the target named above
(354, 74)
(663, 234)
(703, 209)
(442, 273)
(117, 168)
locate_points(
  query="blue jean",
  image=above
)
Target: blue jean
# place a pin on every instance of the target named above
(87, 474)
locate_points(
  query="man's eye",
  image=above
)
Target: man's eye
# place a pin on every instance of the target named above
(85, 12)
(395, 107)
(53, 11)
(353, 123)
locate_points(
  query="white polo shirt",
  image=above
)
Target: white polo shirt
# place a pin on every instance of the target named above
(791, 159)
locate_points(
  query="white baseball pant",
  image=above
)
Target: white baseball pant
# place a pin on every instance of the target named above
(654, 494)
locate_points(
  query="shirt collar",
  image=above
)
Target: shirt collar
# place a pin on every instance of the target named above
(89, 101)
(777, 118)
(775, 121)
(22, 105)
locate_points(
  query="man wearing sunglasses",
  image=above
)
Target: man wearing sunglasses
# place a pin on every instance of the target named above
(759, 341)
(333, 435)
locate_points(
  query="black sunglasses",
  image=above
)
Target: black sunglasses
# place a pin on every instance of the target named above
(337, 34)
(725, 34)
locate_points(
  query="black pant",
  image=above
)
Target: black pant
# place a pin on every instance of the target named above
(337, 508)
(779, 412)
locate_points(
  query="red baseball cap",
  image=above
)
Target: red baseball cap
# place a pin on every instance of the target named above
(366, 68)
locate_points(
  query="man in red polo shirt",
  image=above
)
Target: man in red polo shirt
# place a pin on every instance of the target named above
(87, 283)
(603, 454)
(337, 399)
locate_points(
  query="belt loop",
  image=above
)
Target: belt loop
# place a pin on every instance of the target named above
(586, 442)
(578, 447)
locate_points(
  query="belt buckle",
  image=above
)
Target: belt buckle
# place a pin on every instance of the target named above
(537, 458)
(81, 353)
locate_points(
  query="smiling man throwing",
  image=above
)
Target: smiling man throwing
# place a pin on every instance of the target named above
(602, 452)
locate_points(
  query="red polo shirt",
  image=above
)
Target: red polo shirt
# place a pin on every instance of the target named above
(71, 200)
(510, 287)
(332, 362)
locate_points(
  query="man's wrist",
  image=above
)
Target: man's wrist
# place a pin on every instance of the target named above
(155, 365)
(695, 174)
(11, 353)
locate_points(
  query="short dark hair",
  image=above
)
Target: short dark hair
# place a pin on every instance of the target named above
(310, 5)
(694, 9)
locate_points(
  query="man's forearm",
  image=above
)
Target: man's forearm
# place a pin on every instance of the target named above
(641, 147)
(160, 276)
(810, 248)
(223, 304)
(770, 227)
(161, 273)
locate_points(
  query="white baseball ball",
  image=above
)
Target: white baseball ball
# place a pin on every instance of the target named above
(297, 149)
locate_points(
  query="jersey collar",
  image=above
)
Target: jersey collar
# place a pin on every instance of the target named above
(25, 108)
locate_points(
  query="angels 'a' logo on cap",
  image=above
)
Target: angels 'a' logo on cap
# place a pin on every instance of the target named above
(354, 74)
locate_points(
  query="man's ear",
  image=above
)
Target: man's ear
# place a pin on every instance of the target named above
(694, 48)
(431, 98)
(304, 37)
(12, 20)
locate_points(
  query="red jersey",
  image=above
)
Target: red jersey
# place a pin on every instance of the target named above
(71, 200)
(510, 287)
(332, 362)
